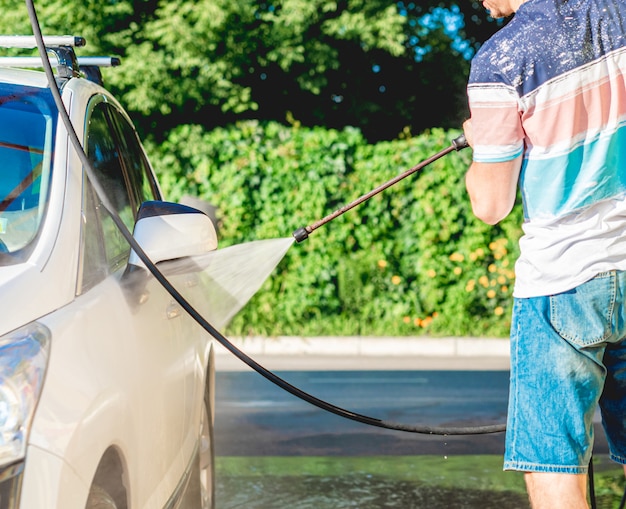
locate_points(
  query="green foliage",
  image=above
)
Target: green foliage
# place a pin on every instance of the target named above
(410, 260)
(107, 26)
(609, 488)
(212, 62)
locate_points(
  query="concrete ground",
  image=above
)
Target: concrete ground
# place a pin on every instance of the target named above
(367, 353)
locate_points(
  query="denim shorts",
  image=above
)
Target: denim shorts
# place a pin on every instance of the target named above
(568, 357)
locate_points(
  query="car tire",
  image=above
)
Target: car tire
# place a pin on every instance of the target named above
(99, 499)
(207, 459)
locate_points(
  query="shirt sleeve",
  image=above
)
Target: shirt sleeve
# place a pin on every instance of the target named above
(496, 120)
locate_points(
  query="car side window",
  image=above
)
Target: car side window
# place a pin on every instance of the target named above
(104, 153)
(141, 177)
(93, 267)
(123, 172)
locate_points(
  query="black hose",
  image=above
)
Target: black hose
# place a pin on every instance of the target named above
(158, 275)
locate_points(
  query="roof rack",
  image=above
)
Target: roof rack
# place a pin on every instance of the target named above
(63, 56)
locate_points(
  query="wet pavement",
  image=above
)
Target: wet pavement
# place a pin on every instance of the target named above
(358, 490)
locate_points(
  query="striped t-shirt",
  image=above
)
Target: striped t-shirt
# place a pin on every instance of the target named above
(551, 85)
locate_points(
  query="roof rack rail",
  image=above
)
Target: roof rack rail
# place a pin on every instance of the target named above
(50, 41)
(35, 62)
(62, 49)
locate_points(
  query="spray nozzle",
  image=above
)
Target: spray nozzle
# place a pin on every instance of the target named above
(301, 234)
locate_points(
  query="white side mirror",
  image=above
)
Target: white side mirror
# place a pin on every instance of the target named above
(169, 231)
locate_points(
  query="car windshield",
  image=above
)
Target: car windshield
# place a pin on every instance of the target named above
(27, 127)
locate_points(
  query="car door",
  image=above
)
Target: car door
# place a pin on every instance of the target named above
(154, 332)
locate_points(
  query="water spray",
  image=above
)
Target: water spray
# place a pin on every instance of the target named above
(303, 233)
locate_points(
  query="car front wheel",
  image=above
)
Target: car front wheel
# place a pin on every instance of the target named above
(99, 499)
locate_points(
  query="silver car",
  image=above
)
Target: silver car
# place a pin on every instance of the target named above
(106, 384)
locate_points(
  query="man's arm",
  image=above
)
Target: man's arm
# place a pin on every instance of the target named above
(492, 187)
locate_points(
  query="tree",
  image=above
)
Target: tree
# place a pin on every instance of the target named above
(373, 64)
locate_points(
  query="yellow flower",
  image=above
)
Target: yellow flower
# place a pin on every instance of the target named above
(382, 263)
(457, 270)
(501, 280)
(484, 281)
(407, 319)
(417, 322)
(471, 284)
(492, 268)
(431, 273)
(396, 280)
(491, 294)
(504, 289)
(457, 257)
(498, 311)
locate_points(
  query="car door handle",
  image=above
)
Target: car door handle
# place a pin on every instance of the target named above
(173, 310)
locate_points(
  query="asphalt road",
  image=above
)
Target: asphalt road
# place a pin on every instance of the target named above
(256, 418)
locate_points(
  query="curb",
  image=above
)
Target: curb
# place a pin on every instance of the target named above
(370, 346)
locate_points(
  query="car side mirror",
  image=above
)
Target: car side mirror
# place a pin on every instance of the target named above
(169, 231)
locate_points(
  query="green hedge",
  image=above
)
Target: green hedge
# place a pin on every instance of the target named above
(411, 260)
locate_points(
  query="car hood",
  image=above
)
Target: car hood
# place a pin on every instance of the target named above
(26, 296)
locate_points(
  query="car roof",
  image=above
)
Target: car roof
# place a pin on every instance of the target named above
(23, 77)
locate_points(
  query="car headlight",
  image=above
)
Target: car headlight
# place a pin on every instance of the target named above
(23, 361)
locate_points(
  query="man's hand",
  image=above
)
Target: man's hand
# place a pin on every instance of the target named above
(469, 133)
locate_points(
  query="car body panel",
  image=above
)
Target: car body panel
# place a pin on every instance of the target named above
(101, 393)
(44, 490)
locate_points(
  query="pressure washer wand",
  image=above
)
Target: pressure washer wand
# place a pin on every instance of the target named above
(303, 233)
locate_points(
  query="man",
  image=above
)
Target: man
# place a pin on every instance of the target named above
(547, 97)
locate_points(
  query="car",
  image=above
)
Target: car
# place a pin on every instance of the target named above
(106, 383)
